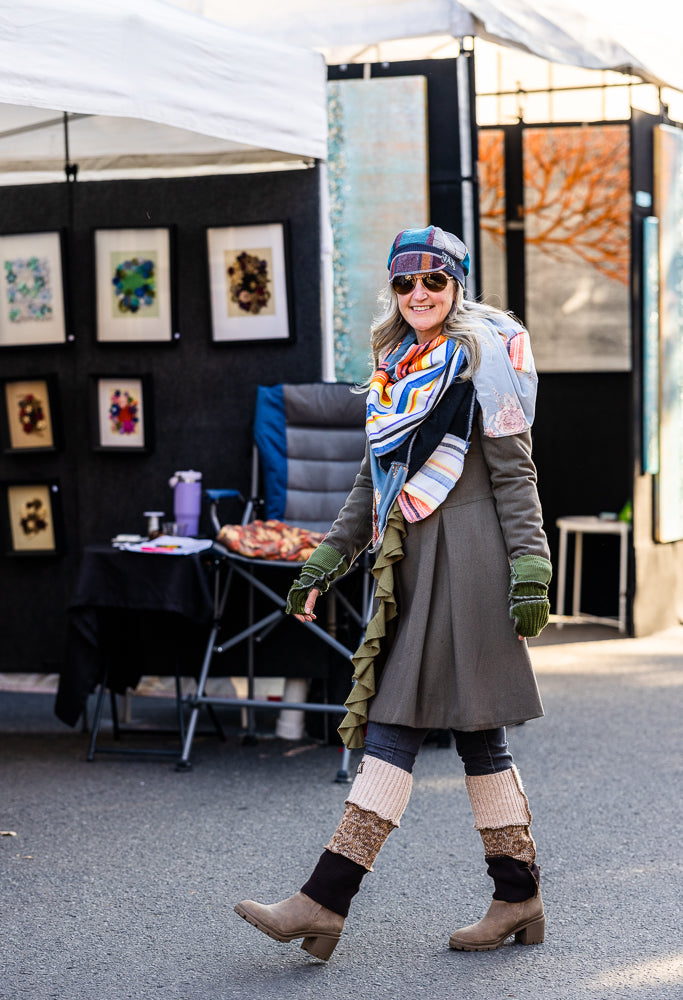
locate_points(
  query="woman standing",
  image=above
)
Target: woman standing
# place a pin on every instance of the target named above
(447, 496)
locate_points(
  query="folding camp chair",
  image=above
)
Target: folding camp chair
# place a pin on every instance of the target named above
(309, 440)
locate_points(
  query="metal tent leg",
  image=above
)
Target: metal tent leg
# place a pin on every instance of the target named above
(343, 772)
(97, 718)
(184, 763)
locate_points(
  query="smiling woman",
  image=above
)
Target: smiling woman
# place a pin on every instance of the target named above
(446, 496)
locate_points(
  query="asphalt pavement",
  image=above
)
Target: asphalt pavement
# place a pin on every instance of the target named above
(122, 874)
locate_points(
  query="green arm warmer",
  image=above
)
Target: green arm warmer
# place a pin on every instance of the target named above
(324, 566)
(529, 604)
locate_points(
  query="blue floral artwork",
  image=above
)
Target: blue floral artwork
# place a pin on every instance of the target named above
(134, 280)
(28, 290)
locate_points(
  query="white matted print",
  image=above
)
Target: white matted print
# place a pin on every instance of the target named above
(29, 415)
(31, 290)
(248, 283)
(31, 518)
(120, 414)
(133, 279)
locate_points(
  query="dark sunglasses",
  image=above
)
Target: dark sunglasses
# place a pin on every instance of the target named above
(433, 281)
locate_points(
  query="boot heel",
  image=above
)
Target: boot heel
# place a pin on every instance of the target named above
(320, 947)
(532, 934)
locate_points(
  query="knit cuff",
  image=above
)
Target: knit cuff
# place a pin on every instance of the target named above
(381, 788)
(531, 569)
(323, 568)
(360, 836)
(498, 799)
(511, 841)
(530, 615)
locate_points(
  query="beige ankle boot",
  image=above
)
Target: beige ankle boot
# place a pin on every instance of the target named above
(502, 817)
(296, 917)
(375, 804)
(525, 920)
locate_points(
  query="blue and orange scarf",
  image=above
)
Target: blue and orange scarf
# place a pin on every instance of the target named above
(419, 414)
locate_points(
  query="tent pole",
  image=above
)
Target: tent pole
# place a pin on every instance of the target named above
(71, 171)
(467, 135)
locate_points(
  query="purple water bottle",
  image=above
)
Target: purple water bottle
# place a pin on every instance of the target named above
(187, 500)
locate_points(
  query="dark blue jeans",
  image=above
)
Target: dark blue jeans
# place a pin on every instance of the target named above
(482, 752)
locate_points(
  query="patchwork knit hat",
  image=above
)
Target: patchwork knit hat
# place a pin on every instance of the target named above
(417, 250)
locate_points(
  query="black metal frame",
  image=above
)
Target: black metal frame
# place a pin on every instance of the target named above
(120, 731)
(232, 563)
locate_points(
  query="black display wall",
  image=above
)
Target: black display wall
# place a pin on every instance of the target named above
(582, 448)
(203, 393)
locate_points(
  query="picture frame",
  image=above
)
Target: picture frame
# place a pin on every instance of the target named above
(249, 283)
(32, 522)
(121, 413)
(32, 290)
(134, 272)
(30, 419)
(668, 493)
(650, 350)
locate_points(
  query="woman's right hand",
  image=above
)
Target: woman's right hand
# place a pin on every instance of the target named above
(308, 615)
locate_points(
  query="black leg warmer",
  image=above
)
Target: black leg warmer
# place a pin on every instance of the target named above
(514, 880)
(334, 882)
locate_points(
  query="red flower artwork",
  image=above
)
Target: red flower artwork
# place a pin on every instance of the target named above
(123, 412)
(31, 414)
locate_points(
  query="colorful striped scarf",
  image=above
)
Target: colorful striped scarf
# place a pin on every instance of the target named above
(402, 400)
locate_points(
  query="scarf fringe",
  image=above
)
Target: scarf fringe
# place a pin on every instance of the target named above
(352, 728)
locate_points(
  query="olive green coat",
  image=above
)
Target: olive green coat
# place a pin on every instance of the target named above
(453, 659)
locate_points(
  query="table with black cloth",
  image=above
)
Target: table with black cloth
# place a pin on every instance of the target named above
(133, 614)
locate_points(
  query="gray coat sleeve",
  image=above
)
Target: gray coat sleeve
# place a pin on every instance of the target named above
(351, 533)
(513, 480)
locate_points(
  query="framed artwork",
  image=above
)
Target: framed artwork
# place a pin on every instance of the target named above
(358, 142)
(121, 412)
(577, 241)
(248, 283)
(133, 278)
(32, 518)
(650, 362)
(30, 415)
(668, 208)
(32, 290)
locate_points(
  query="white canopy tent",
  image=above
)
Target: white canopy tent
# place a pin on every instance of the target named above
(143, 88)
(621, 35)
(149, 85)
(152, 87)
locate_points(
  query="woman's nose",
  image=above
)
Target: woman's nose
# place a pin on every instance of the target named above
(419, 290)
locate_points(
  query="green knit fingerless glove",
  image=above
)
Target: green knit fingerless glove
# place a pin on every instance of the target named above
(323, 567)
(529, 604)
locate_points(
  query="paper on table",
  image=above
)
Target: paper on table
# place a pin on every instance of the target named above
(168, 545)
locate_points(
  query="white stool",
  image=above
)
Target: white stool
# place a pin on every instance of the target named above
(581, 526)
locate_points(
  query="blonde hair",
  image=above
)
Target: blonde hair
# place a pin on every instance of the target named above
(389, 328)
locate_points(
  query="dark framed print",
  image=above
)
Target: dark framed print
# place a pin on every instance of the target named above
(30, 415)
(32, 293)
(248, 283)
(32, 521)
(121, 413)
(133, 279)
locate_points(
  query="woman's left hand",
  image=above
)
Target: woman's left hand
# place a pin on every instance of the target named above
(308, 615)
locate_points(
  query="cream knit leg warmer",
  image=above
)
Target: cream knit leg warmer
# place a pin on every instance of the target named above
(376, 802)
(501, 814)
